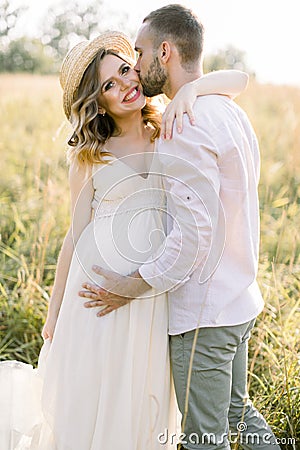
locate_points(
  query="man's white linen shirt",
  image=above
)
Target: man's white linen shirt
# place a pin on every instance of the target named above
(208, 262)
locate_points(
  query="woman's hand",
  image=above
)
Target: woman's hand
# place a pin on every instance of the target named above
(49, 327)
(183, 102)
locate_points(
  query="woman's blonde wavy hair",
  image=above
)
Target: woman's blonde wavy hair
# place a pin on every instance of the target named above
(91, 130)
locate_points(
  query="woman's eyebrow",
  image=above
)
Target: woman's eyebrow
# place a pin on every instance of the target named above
(119, 71)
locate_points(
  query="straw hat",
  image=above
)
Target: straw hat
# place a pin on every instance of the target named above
(79, 57)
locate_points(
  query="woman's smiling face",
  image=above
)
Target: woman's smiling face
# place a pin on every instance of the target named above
(121, 91)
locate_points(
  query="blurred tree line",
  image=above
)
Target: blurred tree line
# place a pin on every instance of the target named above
(64, 25)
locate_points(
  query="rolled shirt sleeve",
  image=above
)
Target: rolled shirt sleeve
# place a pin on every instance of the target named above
(192, 183)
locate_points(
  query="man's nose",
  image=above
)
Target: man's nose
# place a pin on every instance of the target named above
(137, 66)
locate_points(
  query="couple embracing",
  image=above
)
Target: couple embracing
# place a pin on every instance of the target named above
(164, 239)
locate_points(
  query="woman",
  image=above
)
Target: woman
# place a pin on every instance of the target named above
(106, 384)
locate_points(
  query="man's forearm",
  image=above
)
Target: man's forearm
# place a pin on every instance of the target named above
(139, 285)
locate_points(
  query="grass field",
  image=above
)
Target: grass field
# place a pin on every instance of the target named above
(34, 199)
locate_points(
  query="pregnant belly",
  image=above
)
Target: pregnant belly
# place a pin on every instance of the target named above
(120, 243)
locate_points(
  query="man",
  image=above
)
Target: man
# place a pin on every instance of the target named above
(209, 263)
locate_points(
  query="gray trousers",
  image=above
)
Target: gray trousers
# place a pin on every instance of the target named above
(219, 410)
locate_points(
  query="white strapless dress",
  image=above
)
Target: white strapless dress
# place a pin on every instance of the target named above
(103, 383)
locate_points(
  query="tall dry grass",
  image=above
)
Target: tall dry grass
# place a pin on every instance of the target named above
(34, 200)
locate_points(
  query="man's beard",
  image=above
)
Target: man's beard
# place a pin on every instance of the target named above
(154, 80)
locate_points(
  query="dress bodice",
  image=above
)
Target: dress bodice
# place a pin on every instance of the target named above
(119, 188)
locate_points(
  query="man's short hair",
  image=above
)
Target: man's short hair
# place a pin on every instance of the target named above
(182, 27)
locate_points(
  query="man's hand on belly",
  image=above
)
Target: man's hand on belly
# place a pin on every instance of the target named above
(117, 290)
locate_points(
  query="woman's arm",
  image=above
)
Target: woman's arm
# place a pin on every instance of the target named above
(82, 191)
(224, 82)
